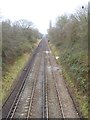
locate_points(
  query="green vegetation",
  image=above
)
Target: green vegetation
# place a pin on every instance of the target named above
(70, 38)
(19, 40)
(14, 70)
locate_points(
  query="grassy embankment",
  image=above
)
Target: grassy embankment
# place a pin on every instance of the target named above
(19, 40)
(69, 73)
(69, 37)
(13, 72)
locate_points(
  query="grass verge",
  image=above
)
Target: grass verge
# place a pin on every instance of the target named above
(12, 73)
(80, 97)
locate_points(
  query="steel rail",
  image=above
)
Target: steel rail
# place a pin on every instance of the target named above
(54, 77)
(8, 103)
(45, 87)
(46, 110)
(33, 89)
(16, 102)
(71, 96)
(19, 94)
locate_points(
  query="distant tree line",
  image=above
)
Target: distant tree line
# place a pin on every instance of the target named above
(18, 38)
(70, 36)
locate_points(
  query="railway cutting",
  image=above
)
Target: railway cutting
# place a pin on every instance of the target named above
(40, 91)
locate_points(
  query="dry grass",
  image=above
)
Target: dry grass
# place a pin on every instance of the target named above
(10, 76)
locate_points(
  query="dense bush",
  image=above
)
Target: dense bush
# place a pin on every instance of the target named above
(70, 36)
(18, 38)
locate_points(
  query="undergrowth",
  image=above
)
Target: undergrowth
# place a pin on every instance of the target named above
(11, 74)
(75, 72)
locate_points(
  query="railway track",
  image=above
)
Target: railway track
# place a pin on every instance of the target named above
(29, 100)
(56, 103)
(66, 112)
(39, 95)
(60, 109)
(15, 110)
(18, 87)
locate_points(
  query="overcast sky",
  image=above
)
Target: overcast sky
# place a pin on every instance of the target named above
(40, 12)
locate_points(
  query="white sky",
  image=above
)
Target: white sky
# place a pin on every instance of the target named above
(40, 12)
